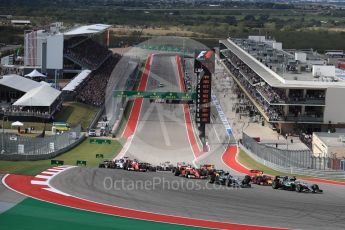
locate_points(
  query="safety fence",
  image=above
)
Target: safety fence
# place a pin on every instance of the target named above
(125, 76)
(293, 161)
(15, 147)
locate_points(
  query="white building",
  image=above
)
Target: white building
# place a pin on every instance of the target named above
(45, 49)
(287, 87)
(329, 144)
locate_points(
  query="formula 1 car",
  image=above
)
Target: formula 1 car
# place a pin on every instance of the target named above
(120, 164)
(219, 177)
(166, 166)
(107, 164)
(284, 182)
(225, 178)
(148, 166)
(260, 178)
(206, 169)
(134, 165)
(181, 168)
(191, 172)
(304, 187)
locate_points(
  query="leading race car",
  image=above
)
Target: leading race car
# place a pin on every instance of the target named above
(305, 187)
(260, 178)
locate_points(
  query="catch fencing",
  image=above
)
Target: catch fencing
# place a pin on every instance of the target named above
(301, 162)
(14, 147)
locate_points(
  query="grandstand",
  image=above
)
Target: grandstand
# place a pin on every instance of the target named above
(59, 53)
(286, 86)
(72, 53)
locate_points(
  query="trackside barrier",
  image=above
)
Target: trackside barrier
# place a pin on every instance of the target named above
(328, 173)
(28, 148)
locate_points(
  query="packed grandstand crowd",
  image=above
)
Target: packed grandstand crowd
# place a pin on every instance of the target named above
(251, 81)
(86, 52)
(93, 90)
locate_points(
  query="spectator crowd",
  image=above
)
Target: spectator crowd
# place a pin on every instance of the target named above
(253, 84)
(93, 90)
(86, 52)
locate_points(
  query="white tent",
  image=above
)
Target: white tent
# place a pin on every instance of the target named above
(35, 73)
(41, 96)
(77, 80)
(17, 123)
(18, 83)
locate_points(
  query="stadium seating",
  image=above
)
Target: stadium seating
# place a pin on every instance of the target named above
(87, 53)
(93, 90)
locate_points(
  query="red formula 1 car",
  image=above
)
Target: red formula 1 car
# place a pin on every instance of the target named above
(181, 168)
(134, 165)
(260, 178)
(191, 172)
(186, 170)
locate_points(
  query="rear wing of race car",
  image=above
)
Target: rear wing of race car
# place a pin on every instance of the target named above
(257, 172)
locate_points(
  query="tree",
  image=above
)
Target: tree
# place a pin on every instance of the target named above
(231, 20)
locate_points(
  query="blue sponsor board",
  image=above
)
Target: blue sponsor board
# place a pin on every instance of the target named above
(221, 115)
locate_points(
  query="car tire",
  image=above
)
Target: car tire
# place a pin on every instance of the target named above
(275, 185)
(298, 188)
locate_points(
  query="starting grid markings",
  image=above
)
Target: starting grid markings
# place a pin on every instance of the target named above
(221, 115)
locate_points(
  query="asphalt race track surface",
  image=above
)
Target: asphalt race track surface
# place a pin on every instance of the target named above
(8, 198)
(161, 131)
(198, 199)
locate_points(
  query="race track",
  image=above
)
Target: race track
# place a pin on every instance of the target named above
(196, 198)
(161, 133)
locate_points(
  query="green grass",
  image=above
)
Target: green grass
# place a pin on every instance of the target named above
(37, 125)
(249, 162)
(34, 214)
(84, 151)
(75, 113)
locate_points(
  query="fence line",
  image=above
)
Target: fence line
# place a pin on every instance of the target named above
(28, 148)
(287, 160)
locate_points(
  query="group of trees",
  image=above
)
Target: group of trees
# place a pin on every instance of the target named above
(231, 18)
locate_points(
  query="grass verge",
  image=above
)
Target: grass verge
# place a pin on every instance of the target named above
(75, 113)
(72, 113)
(84, 151)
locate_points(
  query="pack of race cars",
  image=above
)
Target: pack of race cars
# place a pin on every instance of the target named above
(219, 177)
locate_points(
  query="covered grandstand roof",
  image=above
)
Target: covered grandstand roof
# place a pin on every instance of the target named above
(77, 80)
(268, 75)
(88, 29)
(18, 83)
(40, 96)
